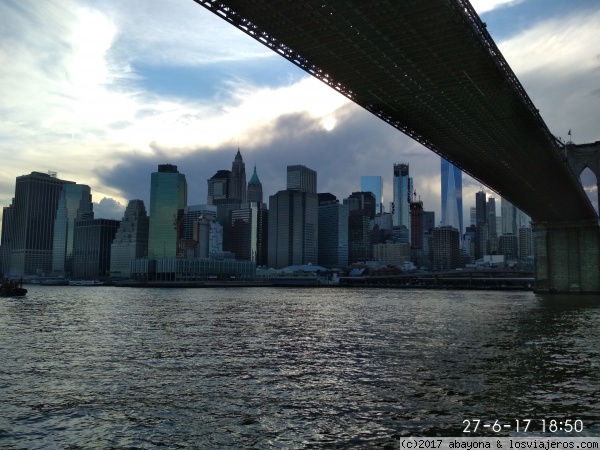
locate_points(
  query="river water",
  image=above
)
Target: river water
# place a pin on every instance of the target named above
(107, 367)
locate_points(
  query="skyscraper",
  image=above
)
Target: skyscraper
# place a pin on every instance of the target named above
(237, 184)
(293, 220)
(333, 234)
(403, 189)
(416, 229)
(75, 203)
(218, 186)
(255, 192)
(92, 239)
(168, 198)
(452, 205)
(445, 248)
(131, 239)
(35, 205)
(374, 184)
(301, 178)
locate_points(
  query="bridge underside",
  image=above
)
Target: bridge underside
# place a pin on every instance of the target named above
(430, 69)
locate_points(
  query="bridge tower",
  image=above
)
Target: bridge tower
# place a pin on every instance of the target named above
(582, 156)
(568, 253)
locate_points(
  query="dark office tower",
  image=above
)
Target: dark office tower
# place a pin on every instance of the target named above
(293, 228)
(91, 247)
(445, 248)
(480, 207)
(237, 183)
(6, 238)
(246, 239)
(362, 201)
(255, 192)
(359, 237)
(301, 178)
(492, 246)
(374, 184)
(35, 205)
(333, 232)
(75, 203)
(508, 245)
(403, 189)
(131, 239)
(168, 198)
(416, 232)
(218, 186)
(262, 252)
(428, 225)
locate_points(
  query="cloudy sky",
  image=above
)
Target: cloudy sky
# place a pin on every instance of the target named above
(102, 91)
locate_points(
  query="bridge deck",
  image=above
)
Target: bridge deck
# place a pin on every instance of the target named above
(430, 69)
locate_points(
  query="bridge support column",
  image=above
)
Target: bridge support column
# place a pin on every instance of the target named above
(567, 257)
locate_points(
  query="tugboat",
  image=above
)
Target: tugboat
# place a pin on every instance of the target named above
(10, 288)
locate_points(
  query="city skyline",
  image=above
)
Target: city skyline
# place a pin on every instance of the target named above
(101, 109)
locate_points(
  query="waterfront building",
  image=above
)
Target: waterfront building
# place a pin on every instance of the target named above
(402, 190)
(492, 244)
(237, 183)
(333, 233)
(192, 270)
(360, 247)
(293, 228)
(452, 205)
(301, 178)
(131, 239)
(392, 253)
(254, 192)
(374, 184)
(74, 203)
(416, 230)
(32, 233)
(6, 238)
(445, 248)
(525, 243)
(92, 240)
(168, 198)
(508, 245)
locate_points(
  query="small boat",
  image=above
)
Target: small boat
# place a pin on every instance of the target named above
(85, 283)
(10, 288)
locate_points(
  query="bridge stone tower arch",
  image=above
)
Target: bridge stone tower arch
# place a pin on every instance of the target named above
(582, 156)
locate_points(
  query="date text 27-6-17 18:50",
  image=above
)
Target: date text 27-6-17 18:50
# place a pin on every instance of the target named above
(524, 425)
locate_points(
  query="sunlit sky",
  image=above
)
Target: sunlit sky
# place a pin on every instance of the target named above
(103, 91)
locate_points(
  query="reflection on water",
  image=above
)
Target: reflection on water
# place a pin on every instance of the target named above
(288, 368)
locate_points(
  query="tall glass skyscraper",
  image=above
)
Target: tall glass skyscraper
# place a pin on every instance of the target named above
(403, 188)
(452, 205)
(374, 184)
(168, 198)
(35, 205)
(74, 203)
